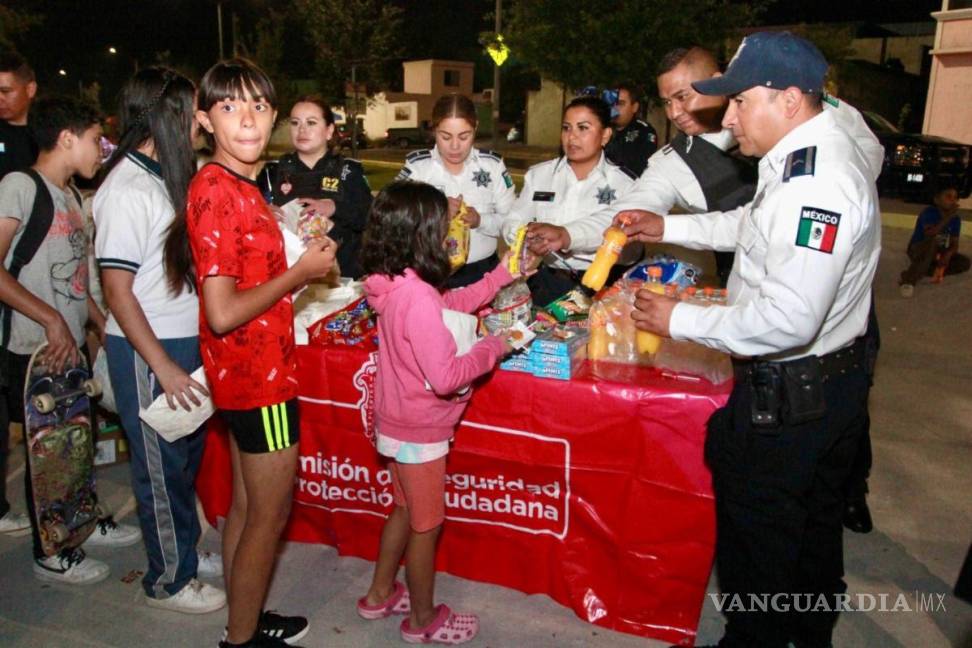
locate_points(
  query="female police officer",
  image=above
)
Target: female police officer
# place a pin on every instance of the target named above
(563, 200)
(324, 183)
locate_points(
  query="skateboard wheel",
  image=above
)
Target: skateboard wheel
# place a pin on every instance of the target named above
(58, 533)
(44, 403)
(92, 388)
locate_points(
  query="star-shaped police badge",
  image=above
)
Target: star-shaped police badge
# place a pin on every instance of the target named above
(630, 136)
(606, 195)
(482, 178)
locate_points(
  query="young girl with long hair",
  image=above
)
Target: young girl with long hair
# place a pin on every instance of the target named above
(246, 330)
(421, 395)
(325, 183)
(152, 335)
(465, 174)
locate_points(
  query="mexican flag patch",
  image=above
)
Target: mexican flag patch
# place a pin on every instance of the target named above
(818, 229)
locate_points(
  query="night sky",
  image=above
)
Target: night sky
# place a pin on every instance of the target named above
(76, 35)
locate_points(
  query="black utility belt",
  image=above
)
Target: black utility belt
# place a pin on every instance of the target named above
(791, 392)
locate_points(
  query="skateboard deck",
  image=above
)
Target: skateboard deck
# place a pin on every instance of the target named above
(60, 449)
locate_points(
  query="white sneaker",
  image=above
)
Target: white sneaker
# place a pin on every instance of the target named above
(195, 598)
(109, 533)
(15, 524)
(71, 566)
(907, 290)
(210, 564)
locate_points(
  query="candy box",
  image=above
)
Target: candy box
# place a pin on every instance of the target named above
(560, 341)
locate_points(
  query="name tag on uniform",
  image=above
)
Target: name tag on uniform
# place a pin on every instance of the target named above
(543, 196)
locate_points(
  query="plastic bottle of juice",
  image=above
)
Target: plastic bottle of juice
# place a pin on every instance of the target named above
(649, 342)
(607, 256)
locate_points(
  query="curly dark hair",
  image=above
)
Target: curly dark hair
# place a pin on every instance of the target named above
(406, 228)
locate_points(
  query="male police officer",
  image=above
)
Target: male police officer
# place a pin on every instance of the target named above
(701, 170)
(634, 140)
(807, 247)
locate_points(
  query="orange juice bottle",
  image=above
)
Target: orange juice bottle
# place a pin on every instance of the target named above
(649, 342)
(607, 256)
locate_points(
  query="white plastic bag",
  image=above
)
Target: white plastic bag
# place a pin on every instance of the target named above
(173, 424)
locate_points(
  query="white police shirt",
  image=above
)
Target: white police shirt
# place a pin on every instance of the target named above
(484, 183)
(553, 194)
(806, 249)
(850, 119)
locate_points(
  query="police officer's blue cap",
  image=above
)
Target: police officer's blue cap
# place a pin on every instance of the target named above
(776, 60)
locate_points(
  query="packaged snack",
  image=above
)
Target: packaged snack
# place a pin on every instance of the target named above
(572, 306)
(353, 325)
(457, 240)
(518, 251)
(512, 304)
(674, 271)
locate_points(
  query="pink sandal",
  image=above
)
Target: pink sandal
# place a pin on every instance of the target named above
(447, 628)
(397, 603)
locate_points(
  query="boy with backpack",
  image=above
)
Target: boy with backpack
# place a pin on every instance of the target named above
(44, 279)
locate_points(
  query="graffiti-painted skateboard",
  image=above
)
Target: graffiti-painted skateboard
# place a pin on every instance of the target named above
(58, 431)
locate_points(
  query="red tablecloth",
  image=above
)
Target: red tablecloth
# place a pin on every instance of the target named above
(592, 491)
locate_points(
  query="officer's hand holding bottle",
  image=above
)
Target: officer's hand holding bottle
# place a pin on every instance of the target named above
(640, 225)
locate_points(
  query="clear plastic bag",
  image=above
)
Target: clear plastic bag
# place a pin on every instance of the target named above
(512, 304)
(613, 333)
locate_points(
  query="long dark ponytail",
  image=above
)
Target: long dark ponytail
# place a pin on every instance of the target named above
(158, 104)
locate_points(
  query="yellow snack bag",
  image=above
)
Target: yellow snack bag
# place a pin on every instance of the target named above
(457, 240)
(516, 251)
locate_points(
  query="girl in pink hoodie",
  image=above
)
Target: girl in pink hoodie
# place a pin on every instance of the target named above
(422, 390)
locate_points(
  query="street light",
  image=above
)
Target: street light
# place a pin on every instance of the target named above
(112, 50)
(62, 72)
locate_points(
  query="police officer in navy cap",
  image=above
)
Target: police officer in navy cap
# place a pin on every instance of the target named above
(806, 247)
(634, 140)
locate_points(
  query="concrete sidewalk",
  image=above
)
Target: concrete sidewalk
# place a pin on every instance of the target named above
(921, 498)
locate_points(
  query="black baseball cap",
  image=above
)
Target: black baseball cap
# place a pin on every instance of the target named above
(775, 60)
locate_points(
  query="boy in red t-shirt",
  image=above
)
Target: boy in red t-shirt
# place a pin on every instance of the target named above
(246, 337)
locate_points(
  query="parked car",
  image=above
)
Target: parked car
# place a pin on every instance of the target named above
(915, 164)
(342, 136)
(407, 137)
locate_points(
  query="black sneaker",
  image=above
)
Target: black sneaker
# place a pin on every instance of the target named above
(282, 628)
(258, 641)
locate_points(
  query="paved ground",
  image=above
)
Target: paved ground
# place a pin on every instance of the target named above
(921, 491)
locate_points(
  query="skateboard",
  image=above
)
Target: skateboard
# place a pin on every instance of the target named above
(60, 449)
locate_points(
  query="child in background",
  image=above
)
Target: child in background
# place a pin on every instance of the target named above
(467, 175)
(933, 248)
(422, 390)
(153, 330)
(325, 183)
(246, 331)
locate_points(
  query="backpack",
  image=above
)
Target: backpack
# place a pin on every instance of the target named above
(35, 231)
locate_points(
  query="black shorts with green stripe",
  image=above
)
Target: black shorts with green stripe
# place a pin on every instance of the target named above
(264, 429)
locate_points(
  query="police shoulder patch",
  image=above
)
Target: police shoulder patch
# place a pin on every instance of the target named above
(420, 154)
(817, 229)
(833, 101)
(800, 163)
(507, 179)
(491, 154)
